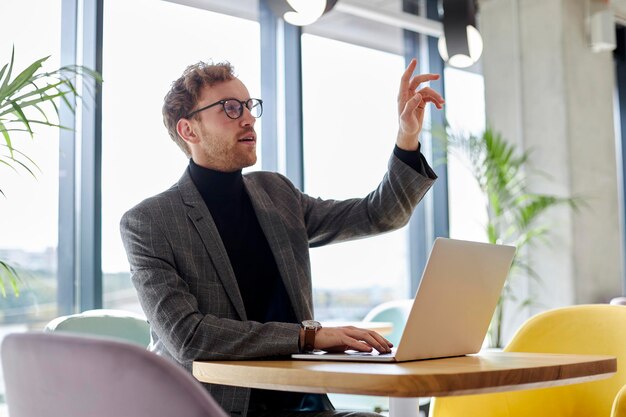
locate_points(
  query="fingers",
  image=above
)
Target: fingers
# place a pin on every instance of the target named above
(419, 101)
(405, 81)
(431, 96)
(416, 102)
(412, 101)
(409, 88)
(421, 78)
(375, 340)
(406, 77)
(344, 338)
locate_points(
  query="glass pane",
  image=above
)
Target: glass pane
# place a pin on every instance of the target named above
(139, 158)
(29, 209)
(465, 111)
(344, 87)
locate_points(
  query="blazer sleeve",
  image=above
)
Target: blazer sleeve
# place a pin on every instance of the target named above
(387, 208)
(172, 310)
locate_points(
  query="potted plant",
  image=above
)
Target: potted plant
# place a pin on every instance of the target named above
(514, 213)
(27, 100)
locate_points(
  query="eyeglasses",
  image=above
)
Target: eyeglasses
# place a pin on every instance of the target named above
(234, 108)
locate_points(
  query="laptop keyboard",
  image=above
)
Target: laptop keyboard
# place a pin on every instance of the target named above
(372, 353)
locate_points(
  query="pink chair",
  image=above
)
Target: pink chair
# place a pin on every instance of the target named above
(60, 375)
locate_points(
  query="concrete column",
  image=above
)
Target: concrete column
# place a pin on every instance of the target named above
(547, 92)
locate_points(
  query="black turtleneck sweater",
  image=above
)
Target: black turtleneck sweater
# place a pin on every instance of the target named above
(262, 289)
(261, 286)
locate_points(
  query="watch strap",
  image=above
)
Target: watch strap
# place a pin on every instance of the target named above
(309, 339)
(310, 330)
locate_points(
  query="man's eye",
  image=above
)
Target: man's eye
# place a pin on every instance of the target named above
(231, 107)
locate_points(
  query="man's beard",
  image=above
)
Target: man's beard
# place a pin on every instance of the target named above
(226, 154)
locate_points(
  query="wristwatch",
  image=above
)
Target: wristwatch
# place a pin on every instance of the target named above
(310, 329)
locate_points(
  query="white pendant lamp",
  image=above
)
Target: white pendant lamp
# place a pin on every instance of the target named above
(301, 12)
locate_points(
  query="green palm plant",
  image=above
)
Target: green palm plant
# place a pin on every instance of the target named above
(28, 100)
(513, 212)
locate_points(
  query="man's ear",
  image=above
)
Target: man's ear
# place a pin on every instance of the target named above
(186, 130)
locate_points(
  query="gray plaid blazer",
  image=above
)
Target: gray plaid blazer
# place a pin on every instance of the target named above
(186, 284)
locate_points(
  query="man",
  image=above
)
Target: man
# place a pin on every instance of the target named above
(221, 260)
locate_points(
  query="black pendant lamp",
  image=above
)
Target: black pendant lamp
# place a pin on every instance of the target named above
(461, 45)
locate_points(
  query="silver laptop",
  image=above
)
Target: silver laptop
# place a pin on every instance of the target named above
(453, 306)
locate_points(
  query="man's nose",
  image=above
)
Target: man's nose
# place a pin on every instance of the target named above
(247, 119)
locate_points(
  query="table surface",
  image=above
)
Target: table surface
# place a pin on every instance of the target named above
(481, 373)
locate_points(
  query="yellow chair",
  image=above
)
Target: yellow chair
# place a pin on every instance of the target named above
(619, 405)
(585, 329)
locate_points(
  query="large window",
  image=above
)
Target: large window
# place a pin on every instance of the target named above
(28, 211)
(350, 126)
(465, 112)
(139, 158)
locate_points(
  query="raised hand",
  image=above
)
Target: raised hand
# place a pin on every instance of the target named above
(411, 104)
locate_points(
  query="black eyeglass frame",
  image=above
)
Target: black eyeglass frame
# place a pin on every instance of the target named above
(247, 103)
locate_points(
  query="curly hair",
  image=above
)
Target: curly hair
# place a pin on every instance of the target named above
(184, 92)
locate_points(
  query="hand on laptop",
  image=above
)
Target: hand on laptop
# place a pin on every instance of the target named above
(340, 339)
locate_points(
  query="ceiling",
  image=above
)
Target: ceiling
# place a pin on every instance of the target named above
(333, 24)
(350, 28)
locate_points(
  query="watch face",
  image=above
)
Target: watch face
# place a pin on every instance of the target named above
(311, 324)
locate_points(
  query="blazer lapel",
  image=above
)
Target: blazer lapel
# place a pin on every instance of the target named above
(200, 216)
(279, 242)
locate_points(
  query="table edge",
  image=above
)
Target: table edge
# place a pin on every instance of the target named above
(437, 385)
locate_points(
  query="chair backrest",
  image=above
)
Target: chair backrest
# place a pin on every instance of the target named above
(584, 329)
(62, 375)
(118, 324)
(618, 301)
(619, 404)
(396, 312)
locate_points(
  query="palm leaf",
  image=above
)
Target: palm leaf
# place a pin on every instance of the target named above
(7, 137)
(20, 163)
(533, 207)
(5, 83)
(2, 161)
(10, 274)
(22, 79)
(28, 101)
(39, 91)
(42, 112)
(3, 70)
(42, 98)
(21, 116)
